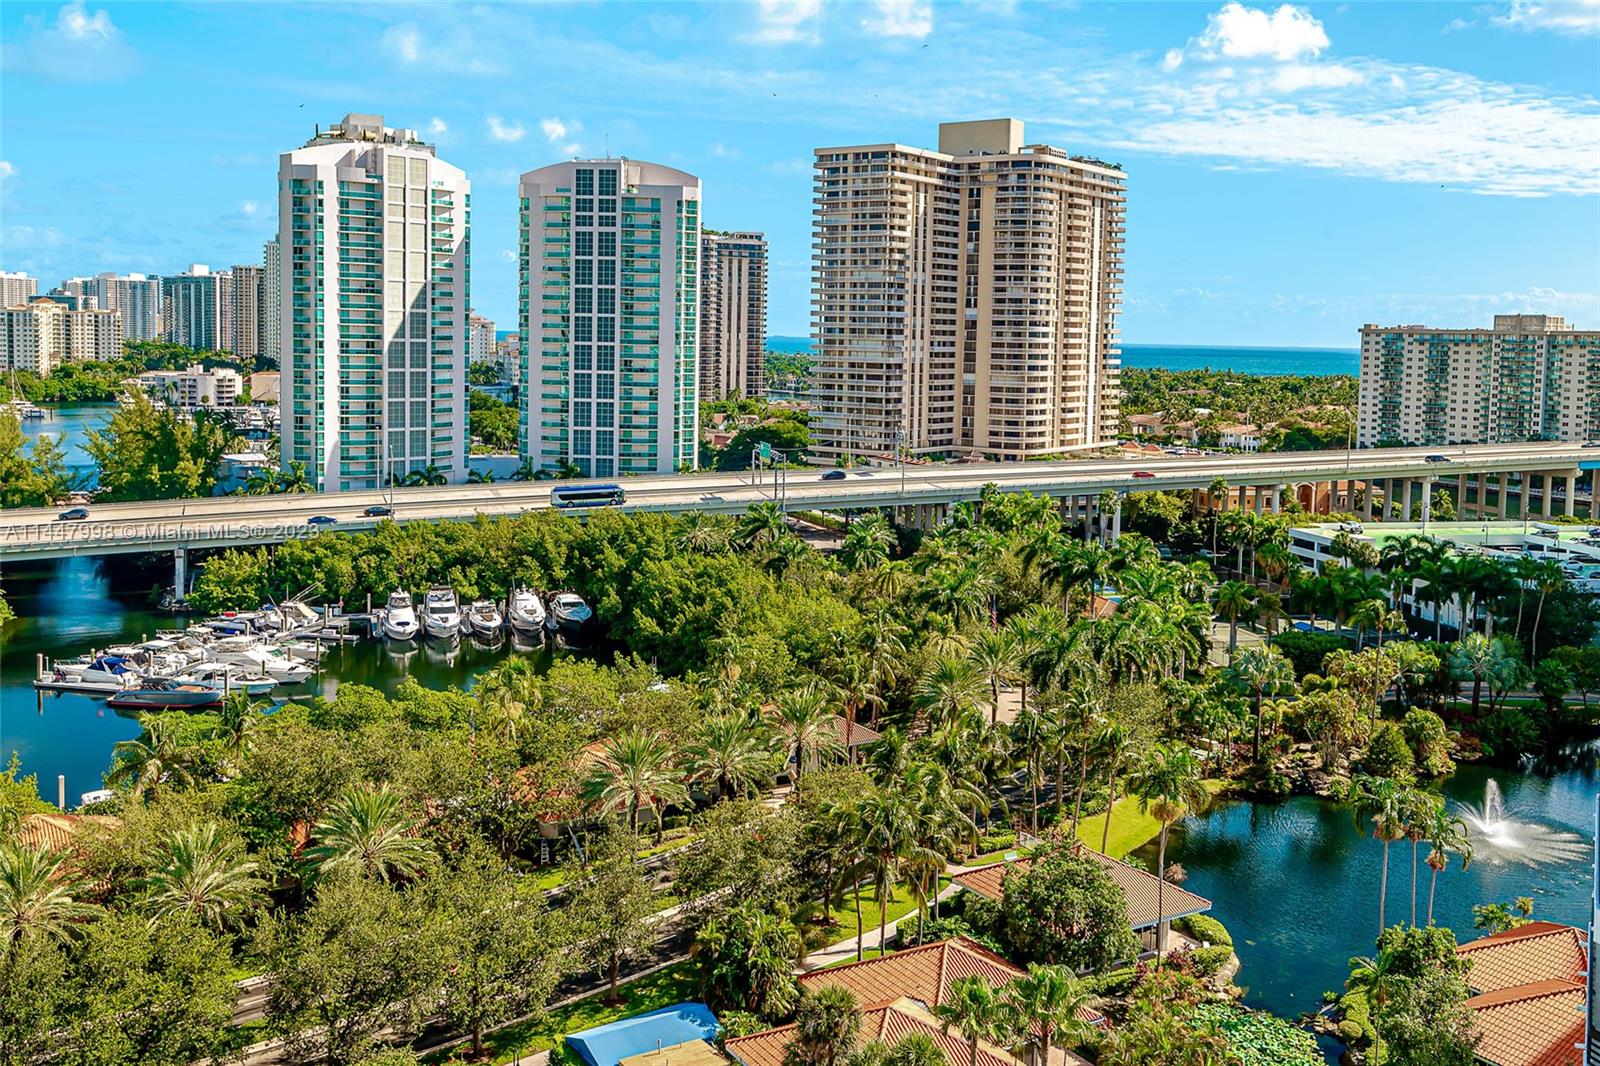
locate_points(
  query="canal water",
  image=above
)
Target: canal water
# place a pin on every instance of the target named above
(1296, 882)
(69, 425)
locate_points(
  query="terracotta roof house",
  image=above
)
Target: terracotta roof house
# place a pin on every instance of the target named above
(58, 832)
(887, 1022)
(922, 974)
(1139, 887)
(1529, 994)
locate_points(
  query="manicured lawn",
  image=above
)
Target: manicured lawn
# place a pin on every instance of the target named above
(902, 902)
(556, 876)
(1131, 827)
(675, 984)
(870, 953)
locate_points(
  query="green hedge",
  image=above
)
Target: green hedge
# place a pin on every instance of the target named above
(1208, 961)
(1204, 928)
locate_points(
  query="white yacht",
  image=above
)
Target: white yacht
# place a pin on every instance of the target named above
(260, 658)
(568, 612)
(103, 673)
(441, 614)
(484, 618)
(525, 611)
(400, 617)
(229, 677)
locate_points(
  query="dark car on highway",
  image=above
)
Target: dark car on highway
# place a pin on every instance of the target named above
(834, 475)
(379, 510)
(322, 520)
(73, 514)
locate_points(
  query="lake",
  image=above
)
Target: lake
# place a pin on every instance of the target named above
(1296, 882)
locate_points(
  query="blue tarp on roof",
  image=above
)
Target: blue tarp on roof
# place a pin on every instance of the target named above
(606, 1045)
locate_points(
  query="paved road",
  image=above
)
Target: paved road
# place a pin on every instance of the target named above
(238, 520)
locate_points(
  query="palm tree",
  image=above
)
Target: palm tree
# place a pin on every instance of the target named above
(886, 828)
(1547, 578)
(1048, 1004)
(1234, 598)
(37, 896)
(950, 688)
(916, 1049)
(152, 759)
(237, 724)
(1261, 671)
(729, 751)
(1445, 833)
(703, 533)
(973, 1007)
(1482, 659)
(366, 831)
(200, 875)
(1168, 783)
(1384, 801)
(1032, 734)
(867, 543)
(760, 526)
(1375, 978)
(1421, 810)
(427, 475)
(1113, 746)
(480, 477)
(507, 693)
(804, 714)
(633, 771)
(826, 1023)
(1218, 487)
(997, 656)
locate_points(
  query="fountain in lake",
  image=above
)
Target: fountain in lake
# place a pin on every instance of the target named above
(1498, 837)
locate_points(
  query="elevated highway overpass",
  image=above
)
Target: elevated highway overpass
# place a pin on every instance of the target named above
(1337, 480)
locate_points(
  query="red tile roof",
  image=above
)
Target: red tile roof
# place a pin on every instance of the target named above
(1534, 952)
(922, 974)
(1139, 887)
(58, 831)
(1530, 1001)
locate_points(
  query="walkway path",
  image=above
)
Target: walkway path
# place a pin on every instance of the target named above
(845, 950)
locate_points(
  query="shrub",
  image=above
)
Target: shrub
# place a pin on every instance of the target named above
(1349, 1031)
(1506, 732)
(1305, 651)
(1429, 741)
(996, 842)
(1205, 928)
(1113, 983)
(1207, 961)
(1388, 754)
(1261, 1039)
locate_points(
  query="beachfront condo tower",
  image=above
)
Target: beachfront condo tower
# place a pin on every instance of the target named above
(733, 315)
(610, 300)
(373, 263)
(965, 300)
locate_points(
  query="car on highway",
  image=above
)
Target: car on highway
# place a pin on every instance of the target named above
(322, 520)
(1438, 459)
(1143, 473)
(379, 510)
(73, 514)
(834, 475)
(1591, 444)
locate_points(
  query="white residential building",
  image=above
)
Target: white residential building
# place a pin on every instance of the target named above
(1530, 377)
(16, 288)
(137, 298)
(79, 293)
(197, 308)
(44, 333)
(733, 315)
(966, 299)
(249, 311)
(373, 232)
(272, 281)
(194, 387)
(610, 274)
(480, 339)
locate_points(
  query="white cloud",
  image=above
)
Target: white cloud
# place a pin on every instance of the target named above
(1292, 76)
(8, 170)
(723, 151)
(1239, 32)
(450, 46)
(79, 45)
(900, 18)
(787, 21)
(560, 134)
(27, 238)
(504, 132)
(1576, 17)
(1172, 60)
(437, 126)
(403, 42)
(508, 254)
(554, 129)
(249, 207)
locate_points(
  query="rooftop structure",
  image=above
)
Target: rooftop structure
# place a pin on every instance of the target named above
(1529, 994)
(1140, 888)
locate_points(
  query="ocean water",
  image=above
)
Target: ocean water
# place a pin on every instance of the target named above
(1239, 359)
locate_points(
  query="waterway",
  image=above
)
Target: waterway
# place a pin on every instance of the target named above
(1296, 883)
(69, 425)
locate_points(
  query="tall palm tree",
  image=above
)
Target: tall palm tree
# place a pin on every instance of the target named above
(1032, 734)
(1385, 801)
(729, 751)
(294, 480)
(152, 759)
(760, 526)
(1422, 808)
(1113, 747)
(1234, 599)
(949, 689)
(867, 543)
(997, 656)
(703, 533)
(886, 829)
(1168, 783)
(38, 896)
(1481, 659)
(1445, 833)
(804, 714)
(367, 831)
(1547, 578)
(826, 1023)
(1261, 671)
(508, 693)
(631, 772)
(237, 724)
(199, 874)
(1047, 1006)
(973, 1007)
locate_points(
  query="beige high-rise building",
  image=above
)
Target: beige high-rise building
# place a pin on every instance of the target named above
(733, 315)
(1530, 377)
(965, 300)
(249, 311)
(16, 288)
(44, 333)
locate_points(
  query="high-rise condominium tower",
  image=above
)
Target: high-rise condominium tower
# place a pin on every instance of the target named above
(272, 289)
(372, 228)
(733, 315)
(46, 332)
(249, 310)
(16, 288)
(1531, 377)
(610, 304)
(965, 299)
(137, 297)
(197, 308)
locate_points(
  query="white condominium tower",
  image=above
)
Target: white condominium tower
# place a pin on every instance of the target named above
(272, 289)
(610, 301)
(733, 315)
(137, 297)
(372, 229)
(966, 299)
(46, 332)
(197, 308)
(16, 288)
(1531, 377)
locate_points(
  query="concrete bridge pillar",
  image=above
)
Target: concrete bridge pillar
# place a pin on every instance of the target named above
(1502, 481)
(1116, 521)
(1405, 500)
(1427, 501)
(180, 572)
(1569, 505)
(1366, 500)
(1277, 499)
(1256, 492)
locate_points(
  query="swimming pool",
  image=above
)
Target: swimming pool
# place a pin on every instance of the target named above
(606, 1045)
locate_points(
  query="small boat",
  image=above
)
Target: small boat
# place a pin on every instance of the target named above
(229, 677)
(400, 617)
(525, 611)
(106, 672)
(441, 614)
(260, 658)
(164, 694)
(568, 612)
(484, 618)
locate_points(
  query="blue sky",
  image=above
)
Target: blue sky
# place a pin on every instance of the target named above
(1294, 171)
